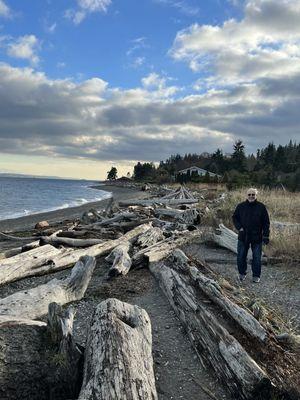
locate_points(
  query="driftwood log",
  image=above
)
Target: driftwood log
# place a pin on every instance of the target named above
(213, 343)
(118, 361)
(151, 202)
(120, 259)
(17, 250)
(39, 361)
(150, 237)
(56, 241)
(48, 259)
(34, 303)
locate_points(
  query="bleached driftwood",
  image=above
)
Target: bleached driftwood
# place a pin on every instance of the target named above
(121, 260)
(150, 237)
(118, 357)
(110, 221)
(152, 202)
(214, 292)
(17, 250)
(55, 241)
(47, 259)
(231, 363)
(34, 363)
(33, 303)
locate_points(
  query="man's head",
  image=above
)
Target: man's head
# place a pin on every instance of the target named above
(251, 194)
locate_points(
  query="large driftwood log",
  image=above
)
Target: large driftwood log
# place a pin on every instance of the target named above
(214, 292)
(116, 218)
(118, 358)
(39, 362)
(17, 250)
(121, 260)
(48, 259)
(55, 241)
(34, 303)
(151, 202)
(232, 364)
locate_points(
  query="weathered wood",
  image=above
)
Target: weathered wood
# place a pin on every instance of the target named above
(231, 363)
(150, 237)
(34, 303)
(17, 250)
(47, 259)
(151, 202)
(214, 292)
(110, 221)
(33, 364)
(55, 241)
(121, 260)
(118, 358)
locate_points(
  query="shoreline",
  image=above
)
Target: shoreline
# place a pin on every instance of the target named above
(28, 221)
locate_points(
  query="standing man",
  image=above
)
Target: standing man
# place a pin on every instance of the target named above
(252, 221)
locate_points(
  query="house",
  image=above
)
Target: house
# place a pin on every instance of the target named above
(195, 171)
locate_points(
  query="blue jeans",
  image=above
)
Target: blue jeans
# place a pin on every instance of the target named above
(242, 250)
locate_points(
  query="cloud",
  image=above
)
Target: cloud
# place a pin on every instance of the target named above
(93, 121)
(85, 7)
(4, 9)
(264, 43)
(181, 5)
(25, 47)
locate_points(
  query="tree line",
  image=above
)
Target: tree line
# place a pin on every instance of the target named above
(270, 166)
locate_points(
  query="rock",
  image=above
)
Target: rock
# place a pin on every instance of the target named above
(42, 225)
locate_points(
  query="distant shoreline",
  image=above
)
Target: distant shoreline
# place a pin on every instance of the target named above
(29, 221)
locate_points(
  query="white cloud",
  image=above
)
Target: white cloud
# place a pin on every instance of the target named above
(181, 5)
(86, 7)
(264, 43)
(25, 47)
(4, 9)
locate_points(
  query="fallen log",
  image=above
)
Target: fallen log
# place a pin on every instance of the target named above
(110, 221)
(56, 241)
(212, 342)
(34, 303)
(35, 364)
(151, 202)
(17, 250)
(48, 259)
(121, 260)
(118, 361)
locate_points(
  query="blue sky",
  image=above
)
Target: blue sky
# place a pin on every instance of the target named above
(86, 84)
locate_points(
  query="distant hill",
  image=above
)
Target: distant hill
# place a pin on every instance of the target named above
(12, 175)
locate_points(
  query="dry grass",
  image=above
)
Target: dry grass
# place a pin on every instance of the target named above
(283, 207)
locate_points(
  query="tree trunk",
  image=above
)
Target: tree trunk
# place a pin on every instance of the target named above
(231, 363)
(34, 303)
(36, 365)
(48, 259)
(118, 358)
(121, 260)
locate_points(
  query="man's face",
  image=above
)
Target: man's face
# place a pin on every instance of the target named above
(251, 196)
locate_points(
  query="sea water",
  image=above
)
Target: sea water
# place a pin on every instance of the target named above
(25, 196)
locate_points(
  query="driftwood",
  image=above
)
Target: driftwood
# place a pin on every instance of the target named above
(34, 303)
(150, 237)
(17, 250)
(48, 259)
(121, 260)
(56, 241)
(231, 363)
(39, 362)
(110, 221)
(151, 202)
(118, 358)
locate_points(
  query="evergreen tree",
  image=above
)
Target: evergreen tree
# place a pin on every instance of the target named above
(238, 157)
(112, 174)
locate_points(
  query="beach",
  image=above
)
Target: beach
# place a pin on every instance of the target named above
(28, 222)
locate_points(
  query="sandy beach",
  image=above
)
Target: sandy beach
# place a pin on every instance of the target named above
(28, 222)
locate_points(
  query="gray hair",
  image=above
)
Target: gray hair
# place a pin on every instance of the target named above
(252, 190)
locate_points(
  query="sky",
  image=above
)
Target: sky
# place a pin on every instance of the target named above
(90, 84)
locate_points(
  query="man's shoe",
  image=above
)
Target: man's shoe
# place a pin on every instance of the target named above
(256, 279)
(242, 277)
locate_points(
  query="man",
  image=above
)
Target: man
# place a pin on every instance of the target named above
(252, 221)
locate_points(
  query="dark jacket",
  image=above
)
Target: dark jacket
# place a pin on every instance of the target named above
(254, 219)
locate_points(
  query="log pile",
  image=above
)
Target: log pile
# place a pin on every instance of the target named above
(118, 356)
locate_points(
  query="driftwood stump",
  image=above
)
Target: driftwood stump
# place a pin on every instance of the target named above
(118, 358)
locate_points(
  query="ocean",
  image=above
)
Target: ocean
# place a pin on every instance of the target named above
(26, 196)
